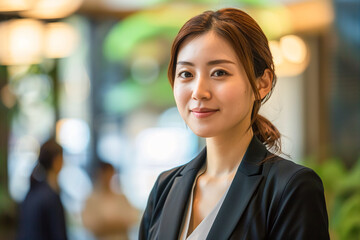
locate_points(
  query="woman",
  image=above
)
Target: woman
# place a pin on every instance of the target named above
(108, 214)
(221, 71)
(41, 213)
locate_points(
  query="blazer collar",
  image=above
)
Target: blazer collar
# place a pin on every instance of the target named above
(176, 201)
(245, 182)
(242, 189)
(254, 155)
(196, 163)
(250, 164)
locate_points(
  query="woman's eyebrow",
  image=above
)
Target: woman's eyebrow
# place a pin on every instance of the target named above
(219, 61)
(213, 62)
(185, 63)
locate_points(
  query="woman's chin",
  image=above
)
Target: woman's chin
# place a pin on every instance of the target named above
(203, 133)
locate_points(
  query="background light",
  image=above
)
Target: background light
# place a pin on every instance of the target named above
(15, 5)
(50, 9)
(276, 52)
(76, 186)
(290, 55)
(33, 88)
(21, 163)
(21, 42)
(60, 40)
(156, 146)
(73, 135)
(111, 147)
(293, 48)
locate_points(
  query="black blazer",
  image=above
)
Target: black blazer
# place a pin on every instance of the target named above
(42, 215)
(277, 199)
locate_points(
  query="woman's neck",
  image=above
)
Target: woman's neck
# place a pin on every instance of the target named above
(224, 153)
(52, 180)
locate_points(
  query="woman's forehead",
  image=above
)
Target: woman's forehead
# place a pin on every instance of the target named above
(207, 44)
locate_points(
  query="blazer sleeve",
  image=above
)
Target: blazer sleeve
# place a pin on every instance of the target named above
(56, 219)
(148, 213)
(301, 213)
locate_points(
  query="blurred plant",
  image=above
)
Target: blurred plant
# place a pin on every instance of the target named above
(7, 214)
(342, 193)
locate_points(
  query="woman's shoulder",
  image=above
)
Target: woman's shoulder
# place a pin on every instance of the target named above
(286, 173)
(40, 197)
(284, 168)
(297, 204)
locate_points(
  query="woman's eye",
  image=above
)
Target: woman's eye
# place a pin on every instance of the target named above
(219, 73)
(185, 74)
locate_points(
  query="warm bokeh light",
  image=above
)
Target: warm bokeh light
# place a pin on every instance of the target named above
(50, 9)
(60, 40)
(290, 55)
(27, 41)
(276, 52)
(310, 15)
(293, 48)
(15, 5)
(21, 41)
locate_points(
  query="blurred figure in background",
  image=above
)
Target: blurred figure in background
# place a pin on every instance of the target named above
(108, 214)
(41, 213)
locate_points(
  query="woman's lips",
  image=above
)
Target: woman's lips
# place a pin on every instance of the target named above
(203, 112)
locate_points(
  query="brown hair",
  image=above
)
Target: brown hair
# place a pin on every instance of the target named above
(252, 48)
(48, 152)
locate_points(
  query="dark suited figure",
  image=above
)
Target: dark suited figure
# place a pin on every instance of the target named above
(221, 70)
(41, 213)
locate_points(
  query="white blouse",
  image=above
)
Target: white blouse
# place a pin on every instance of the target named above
(202, 230)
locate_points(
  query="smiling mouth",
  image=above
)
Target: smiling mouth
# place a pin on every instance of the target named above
(203, 112)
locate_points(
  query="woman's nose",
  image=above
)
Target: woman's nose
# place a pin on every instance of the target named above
(201, 90)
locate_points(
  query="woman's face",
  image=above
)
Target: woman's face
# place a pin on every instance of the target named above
(211, 89)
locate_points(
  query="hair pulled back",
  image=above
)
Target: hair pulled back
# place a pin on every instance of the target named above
(48, 152)
(252, 49)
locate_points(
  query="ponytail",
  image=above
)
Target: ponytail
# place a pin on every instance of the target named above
(263, 129)
(267, 133)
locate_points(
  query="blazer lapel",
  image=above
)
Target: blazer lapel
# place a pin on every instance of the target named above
(176, 201)
(245, 183)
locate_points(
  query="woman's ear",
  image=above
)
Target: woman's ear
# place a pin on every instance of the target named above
(264, 83)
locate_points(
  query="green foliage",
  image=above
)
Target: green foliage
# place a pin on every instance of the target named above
(342, 192)
(7, 211)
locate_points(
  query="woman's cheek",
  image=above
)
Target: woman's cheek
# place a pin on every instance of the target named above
(178, 96)
(180, 92)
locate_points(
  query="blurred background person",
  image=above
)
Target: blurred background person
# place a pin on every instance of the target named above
(108, 214)
(41, 213)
